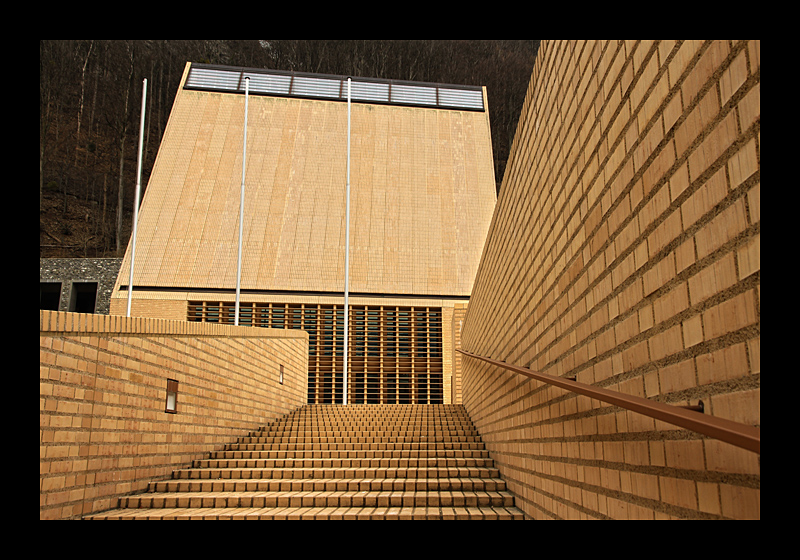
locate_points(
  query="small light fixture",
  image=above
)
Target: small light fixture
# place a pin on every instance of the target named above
(172, 397)
(281, 377)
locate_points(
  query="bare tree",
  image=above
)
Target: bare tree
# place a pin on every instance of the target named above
(80, 104)
(122, 118)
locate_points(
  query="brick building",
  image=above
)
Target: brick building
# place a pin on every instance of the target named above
(422, 195)
(623, 255)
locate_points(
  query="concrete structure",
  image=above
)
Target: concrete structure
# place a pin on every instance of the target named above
(82, 285)
(422, 194)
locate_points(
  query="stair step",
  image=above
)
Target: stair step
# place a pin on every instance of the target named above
(338, 462)
(332, 498)
(352, 455)
(442, 464)
(340, 472)
(328, 484)
(352, 446)
(323, 513)
(363, 441)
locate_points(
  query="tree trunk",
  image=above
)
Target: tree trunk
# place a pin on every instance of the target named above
(44, 120)
(120, 194)
(120, 197)
(41, 173)
(80, 106)
(103, 219)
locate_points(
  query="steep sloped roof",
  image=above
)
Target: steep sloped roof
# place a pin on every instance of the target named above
(422, 189)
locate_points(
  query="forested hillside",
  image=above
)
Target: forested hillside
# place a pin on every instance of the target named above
(90, 94)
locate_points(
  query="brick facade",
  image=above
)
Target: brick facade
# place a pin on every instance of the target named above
(422, 191)
(625, 252)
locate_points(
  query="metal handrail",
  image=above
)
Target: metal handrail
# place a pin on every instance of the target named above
(735, 433)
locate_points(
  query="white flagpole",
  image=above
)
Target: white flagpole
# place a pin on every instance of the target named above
(347, 249)
(136, 200)
(241, 201)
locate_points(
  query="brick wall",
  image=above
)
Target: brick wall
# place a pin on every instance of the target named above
(625, 252)
(150, 304)
(103, 429)
(175, 305)
(458, 323)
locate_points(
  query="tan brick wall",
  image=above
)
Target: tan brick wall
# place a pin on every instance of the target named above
(174, 305)
(422, 194)
(625, 252)
(149, 304)
(458, 324)
(448, 352)
(103, 431)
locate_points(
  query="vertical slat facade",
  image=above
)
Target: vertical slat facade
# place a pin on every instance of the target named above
(395, 352)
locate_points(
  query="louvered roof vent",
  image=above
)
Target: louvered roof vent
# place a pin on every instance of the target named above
(210, 77)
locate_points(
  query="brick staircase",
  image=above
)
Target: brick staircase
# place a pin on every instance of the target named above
(339, 462)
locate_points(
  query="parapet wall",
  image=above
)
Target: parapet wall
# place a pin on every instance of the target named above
(625, 252)
(103, 426)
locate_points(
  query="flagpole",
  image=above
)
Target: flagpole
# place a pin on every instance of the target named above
(136, 200)
(347, 249)
(241, 201)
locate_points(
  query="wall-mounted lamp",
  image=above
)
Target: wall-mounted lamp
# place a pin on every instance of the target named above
(172, 397)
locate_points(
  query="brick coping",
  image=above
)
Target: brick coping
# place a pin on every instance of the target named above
(66, 322)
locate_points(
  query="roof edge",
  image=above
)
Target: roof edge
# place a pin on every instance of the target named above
(331, 87)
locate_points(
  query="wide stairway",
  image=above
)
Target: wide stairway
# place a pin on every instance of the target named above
(339, 462)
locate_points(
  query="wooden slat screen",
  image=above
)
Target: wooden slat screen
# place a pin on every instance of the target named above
(395, 352)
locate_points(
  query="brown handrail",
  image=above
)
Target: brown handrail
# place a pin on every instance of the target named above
(735, 433)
